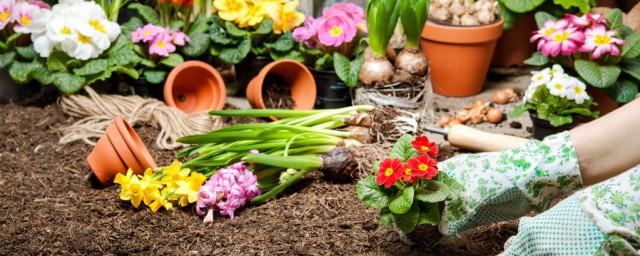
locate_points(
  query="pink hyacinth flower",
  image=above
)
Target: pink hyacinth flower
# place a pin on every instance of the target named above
(563, 42)
(40, 4)
(147, 33)
(305, 33)
(162, 45)
(354, 12)
(23, 14)
(6, 12)
(179, 38)
(336, 30)
(600, 40)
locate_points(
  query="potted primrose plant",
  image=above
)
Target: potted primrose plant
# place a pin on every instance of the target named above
(330, 46)
(401, 84)
(251, 34)
(409, 190)
(460, 44)
(598, 48)
(556, 102)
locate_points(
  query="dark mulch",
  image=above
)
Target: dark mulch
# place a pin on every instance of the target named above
(49, 206)
(277, 93)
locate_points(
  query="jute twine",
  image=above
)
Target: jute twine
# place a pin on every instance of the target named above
(99, 111)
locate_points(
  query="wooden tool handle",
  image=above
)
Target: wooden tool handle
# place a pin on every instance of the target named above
(463, 136)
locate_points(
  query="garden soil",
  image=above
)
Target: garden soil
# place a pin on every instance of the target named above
(51, 205)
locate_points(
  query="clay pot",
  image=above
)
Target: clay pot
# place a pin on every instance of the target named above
(605, 103)
(459, 56)
(513, 46)
(299, 78)
(118, 150)
(195, 86)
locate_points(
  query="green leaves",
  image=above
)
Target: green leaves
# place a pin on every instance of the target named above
(57, 61)
(402, 201)
(6, 59)
(155, 76)
(522, 6)
(382, 17)
(68, 83)
(510, 17)
(429, 213)
(583, 5)
(199, 25)
(432, 192)
(541, 17)
(235, 55)
(595, 75)
(146, 12)
(537, 59)
(403, 148)
(632, 68)
(347, 71)
(23, 72)
(413, 15)
(27, 52)
(631, 49)
(623, 91)
(234, 31)
(373, 194)
(92, 67)
(172, 60)
(407, 222)
(284, 43)
(197, 46)
(615, 19)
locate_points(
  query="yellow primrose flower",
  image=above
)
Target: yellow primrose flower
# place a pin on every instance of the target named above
(254, 16)
(288, 18)
(173, 174)
(188, 189)
(133, 191)
(231, 10)
(271, 7)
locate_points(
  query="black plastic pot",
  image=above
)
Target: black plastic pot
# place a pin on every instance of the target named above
(543, 128)
(145, 89)
(246, 70)
(32, 93)
(331, 91)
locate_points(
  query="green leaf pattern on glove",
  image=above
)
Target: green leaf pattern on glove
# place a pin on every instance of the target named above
(614, 206)
(509, 184)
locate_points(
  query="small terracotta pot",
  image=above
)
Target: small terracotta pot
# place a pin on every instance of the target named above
(116, 151)
(605, 103)
(459, 56)
(195, 86)
(123, 150)
(513, 46)
(136, 145)
(303, 85)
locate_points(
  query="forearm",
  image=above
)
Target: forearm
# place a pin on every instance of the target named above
(608, 145)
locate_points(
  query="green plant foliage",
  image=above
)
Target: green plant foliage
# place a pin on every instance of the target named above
(615, 19)
(541, 17)
(92, 67)
(623, 91)
(27, 52)
(596, 75)
(148, 14)
(403, 149)
(68, 83)
(347, 71)
(522, 6)
(537, 59)
(559, 111)
(373, 194)
(172, 60)
(155, 76)
(402, 201)
(6, 59)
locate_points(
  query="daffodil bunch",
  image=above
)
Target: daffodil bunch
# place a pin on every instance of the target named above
(161, 188)
(556, 96)
(258, 27)
(599, 48)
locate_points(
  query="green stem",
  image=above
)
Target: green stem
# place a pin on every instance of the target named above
(273, 192)
(294, 162)
(264, 112)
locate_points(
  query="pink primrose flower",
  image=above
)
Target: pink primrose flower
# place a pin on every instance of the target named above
(586, 20)
(305, 33)
(548, 28)
(600, 40)
(148, 33)
(6, 12)
(23, 14)
(563, 42)
(354, 12)
(336, 29)
(179, 38)
(162, 45)
(40, 4)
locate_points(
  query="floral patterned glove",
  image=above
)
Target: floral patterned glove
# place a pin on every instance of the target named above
(509, 184)
(603, 219)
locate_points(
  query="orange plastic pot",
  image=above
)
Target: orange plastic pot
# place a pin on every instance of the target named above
(299, 78)
(195, 86)
(459, 57)
(114, 153)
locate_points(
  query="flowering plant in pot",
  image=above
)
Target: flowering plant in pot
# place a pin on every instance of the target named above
(74, 46)
(556, 97)
(598, 48)
(408, 188)
(163, 37)
(461, 39)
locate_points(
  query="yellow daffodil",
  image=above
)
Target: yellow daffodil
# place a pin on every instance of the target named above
(254, 16)
(123, 180)
(173, 174)
(231, 10)
(160, 202)
(288, 18)
(188, 189)
(133, 191)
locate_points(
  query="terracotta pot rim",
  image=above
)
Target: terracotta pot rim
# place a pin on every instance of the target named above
(463, 35)
(104, 170)
(444, 23)
(135, 143)
(169, 82)
(123, 150)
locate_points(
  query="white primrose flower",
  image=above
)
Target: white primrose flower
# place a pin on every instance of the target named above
(97, 26)
(558, 86)
(528, 94)
(577, 91)
(38, 30)
(541, 77)
(557, 71)
(62, 32)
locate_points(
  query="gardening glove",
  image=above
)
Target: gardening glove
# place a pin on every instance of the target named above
(603, 219)
(509, 184)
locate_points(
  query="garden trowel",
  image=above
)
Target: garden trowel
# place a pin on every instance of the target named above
(465, 137)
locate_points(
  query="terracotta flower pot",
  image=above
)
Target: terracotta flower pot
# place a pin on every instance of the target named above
(195, 86)
(459, 56)
(513, 46)
(116, 151)
(299, 78)
(605, 103)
